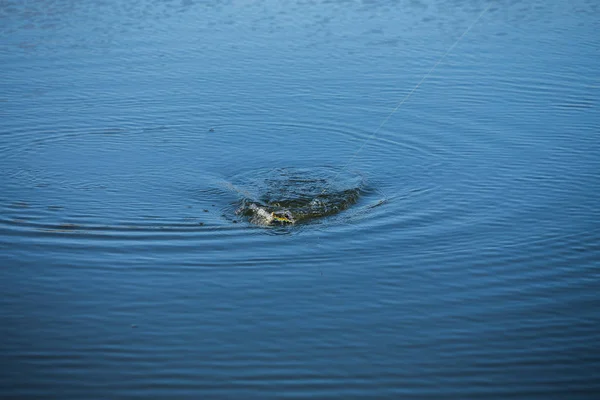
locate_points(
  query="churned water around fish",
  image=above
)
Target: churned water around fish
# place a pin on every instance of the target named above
(288, 196)
(462, 260)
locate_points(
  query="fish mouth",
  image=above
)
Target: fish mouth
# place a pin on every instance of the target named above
(284, 217)
(263, 215)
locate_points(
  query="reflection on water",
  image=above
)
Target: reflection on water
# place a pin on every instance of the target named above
(131, 132)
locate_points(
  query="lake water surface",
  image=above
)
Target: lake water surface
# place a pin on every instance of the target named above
(468, 268)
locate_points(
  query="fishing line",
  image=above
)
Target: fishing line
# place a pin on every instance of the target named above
(385, 120)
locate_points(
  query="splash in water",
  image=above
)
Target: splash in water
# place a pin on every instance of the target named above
(287, 196)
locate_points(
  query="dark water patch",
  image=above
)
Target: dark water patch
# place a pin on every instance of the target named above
(290, 195)
(285, 197)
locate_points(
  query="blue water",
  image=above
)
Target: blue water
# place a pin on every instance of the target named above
(469, 268)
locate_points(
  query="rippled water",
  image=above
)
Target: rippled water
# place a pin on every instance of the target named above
(125, 128)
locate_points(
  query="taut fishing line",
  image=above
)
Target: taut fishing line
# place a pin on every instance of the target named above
(385, 120)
